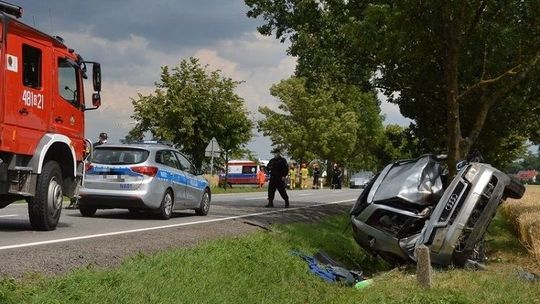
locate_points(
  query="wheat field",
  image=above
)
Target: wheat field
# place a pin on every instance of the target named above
(524, 214)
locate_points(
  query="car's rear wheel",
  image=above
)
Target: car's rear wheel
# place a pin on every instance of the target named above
(515, 189)
(204, 205)
(87, 211)
(45, 207)
(165, 209)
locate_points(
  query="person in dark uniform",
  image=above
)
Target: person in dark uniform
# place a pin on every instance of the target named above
(278, 169)
(102, 139)
(336, 177)
(316, 175)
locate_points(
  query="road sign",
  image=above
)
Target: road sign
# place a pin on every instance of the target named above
(213, 148)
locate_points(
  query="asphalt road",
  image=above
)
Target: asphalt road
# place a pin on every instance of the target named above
(110, 236)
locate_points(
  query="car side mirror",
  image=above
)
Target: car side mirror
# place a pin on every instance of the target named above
(96, 76)
(96, 100)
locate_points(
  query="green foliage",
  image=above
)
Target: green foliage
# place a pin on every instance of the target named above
(463, 70)
(331, 122)
(399, 143)
(190, 106)
(529, 161)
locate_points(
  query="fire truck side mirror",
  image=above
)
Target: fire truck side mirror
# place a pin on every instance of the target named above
(96, 100)
(96, 78)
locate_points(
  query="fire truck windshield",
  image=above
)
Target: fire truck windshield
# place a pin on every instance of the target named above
(67, 81)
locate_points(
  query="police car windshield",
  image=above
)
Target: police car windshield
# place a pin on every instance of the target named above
(119, 156)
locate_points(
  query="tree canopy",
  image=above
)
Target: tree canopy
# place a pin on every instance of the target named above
(466, 71)
(190, 106)
(336, 123)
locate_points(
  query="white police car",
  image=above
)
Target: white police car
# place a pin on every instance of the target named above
(153, 177)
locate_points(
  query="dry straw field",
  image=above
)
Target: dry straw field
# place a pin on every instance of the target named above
(524, 214)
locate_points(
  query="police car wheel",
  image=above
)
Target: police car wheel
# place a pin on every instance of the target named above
(204, 206)
(45, 207)
(165, 209)
(87, 211)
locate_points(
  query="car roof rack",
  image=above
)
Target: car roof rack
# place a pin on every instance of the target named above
(148, 142)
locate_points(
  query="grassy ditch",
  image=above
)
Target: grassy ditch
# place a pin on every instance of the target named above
(259, 268)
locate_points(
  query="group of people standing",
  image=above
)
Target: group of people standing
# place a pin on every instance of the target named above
(303, 173)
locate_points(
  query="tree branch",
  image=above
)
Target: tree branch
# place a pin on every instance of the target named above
(477, 16)
(518, 70)
(486, 102)
(484, 63)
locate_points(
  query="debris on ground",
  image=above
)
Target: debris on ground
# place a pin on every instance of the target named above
(528, 276)
(331, 271)
(258, 224)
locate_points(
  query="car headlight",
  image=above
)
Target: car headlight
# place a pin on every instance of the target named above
(472, 171)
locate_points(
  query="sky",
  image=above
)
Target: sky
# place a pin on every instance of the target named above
(132, 39)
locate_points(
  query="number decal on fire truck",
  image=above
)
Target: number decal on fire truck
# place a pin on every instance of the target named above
(33, 100)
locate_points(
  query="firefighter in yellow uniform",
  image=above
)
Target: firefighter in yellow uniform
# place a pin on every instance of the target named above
(304, 176)
(292, 177)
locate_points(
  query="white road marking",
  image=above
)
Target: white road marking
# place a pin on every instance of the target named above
(91, 236)
(252, 198)
(305, 194)
(9, 215)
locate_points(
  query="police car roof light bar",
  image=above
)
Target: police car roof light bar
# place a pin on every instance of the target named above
(11, 9)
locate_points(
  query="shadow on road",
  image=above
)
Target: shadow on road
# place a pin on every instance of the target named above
(313, 214)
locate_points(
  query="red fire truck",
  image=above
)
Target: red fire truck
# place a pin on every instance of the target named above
(42, 111)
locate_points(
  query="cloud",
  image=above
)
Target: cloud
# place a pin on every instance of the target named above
(238, 59)
(131, 60)
(166, 23)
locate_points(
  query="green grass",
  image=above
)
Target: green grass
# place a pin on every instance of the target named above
(259, 268)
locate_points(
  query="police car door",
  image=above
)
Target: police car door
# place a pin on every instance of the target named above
(171, 175)
(193, 191)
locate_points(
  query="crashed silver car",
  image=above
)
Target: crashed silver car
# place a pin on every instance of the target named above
(408, 204)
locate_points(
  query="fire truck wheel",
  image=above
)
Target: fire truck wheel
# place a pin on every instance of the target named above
(45, 207)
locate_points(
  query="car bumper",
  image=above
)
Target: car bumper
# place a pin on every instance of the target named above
(145, 197)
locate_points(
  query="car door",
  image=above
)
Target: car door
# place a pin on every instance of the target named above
(171, 174)
(28, 88)
(193, 191)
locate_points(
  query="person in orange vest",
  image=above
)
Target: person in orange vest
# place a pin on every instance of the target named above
(292, 177)
(261, 177)
(304, 176)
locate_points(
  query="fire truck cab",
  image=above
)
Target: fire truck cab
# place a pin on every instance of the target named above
(42, 109)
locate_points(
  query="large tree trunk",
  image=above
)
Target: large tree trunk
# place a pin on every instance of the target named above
(451, 64)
